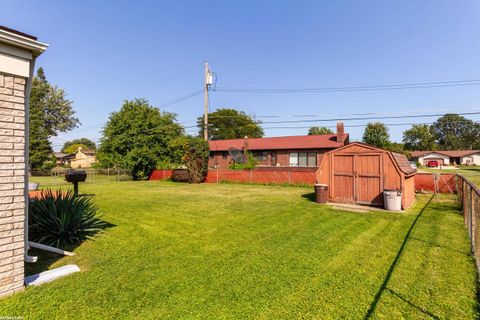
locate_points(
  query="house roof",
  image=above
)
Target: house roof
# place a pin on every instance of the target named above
(22, 40)
(448, 153)
(23, 34)
(325, 141)
(59, 155)
(86, 151)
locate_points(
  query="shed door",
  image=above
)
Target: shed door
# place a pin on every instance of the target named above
(343, 178)
(368, 179)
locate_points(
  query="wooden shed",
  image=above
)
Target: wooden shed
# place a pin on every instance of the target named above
(359, 173)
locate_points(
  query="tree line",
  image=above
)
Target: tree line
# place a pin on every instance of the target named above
(139, 137)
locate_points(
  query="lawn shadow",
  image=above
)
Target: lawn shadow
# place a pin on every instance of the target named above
(422, 310)
(309, 196)
(46, 259)
(383, 287)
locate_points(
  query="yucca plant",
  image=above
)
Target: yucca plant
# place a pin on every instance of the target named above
(59, 218)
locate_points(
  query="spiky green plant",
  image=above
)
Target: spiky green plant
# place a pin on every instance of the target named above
(60, 218)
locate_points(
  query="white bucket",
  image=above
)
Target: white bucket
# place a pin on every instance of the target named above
(392, 200)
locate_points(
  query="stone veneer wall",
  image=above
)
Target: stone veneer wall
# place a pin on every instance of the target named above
(12, 183)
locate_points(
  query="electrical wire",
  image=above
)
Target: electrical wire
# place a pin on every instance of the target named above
(381, 87)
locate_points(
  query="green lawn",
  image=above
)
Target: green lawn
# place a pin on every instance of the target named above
(240, 251)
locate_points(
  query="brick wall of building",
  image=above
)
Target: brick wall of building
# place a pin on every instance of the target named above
(12, 183)
(222, 159)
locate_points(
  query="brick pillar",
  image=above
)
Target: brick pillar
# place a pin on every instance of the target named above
(12, 183)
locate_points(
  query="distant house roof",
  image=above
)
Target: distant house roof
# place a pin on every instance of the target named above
(60, 155)
(448, 153)
(326, 141)
(86, 151)
(403, 163)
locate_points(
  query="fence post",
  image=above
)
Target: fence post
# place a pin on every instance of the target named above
(289, 176)
(217, 174)
(473, 219)
(251, 175)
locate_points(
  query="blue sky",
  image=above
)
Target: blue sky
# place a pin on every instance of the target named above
(102, 52)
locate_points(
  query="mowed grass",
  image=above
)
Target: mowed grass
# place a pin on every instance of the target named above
(240, 251)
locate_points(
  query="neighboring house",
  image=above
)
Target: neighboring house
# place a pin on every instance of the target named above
(84, 158)
(292, 151)
(446, 158)
(18, 52)
(62, 159)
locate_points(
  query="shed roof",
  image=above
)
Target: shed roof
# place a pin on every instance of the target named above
(325, 141)
(403, 163)
(400, 159)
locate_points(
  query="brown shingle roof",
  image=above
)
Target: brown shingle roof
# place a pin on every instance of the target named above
(403, 163)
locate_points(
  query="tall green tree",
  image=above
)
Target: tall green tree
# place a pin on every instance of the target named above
(50, 113)
(455, 132)
(230, 124)
(419, 137)
(72, 146)
(319, 131)
(138, 137)
(376, 134)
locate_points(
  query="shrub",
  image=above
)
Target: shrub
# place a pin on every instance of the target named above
(60, 218)
(249, 164)
(196, 159)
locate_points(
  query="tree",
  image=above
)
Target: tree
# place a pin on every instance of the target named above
(72, 146)
(376, 134)
(138, 137)
(230, 124)
(196, 158)
(398, 148)
(319, 131)
(454, 132)
(50, 113)
(419, 137)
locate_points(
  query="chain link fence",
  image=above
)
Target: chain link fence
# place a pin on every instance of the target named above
(56, 177)
(469, 197)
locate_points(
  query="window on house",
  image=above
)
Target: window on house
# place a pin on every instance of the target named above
(312, 159)
(293, 159)
(303, 159)
(261, 156)
(224, 154)
(273, 159)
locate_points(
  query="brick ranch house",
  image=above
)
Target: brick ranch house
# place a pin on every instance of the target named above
(290, 151)
(18, 52)
(446, 158)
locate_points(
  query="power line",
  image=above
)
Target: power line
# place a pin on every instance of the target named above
(369, 118)
(183, 98)
(381, 87)
(148, 87)
(362, 125)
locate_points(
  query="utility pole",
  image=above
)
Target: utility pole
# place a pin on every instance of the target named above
(208, 82)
